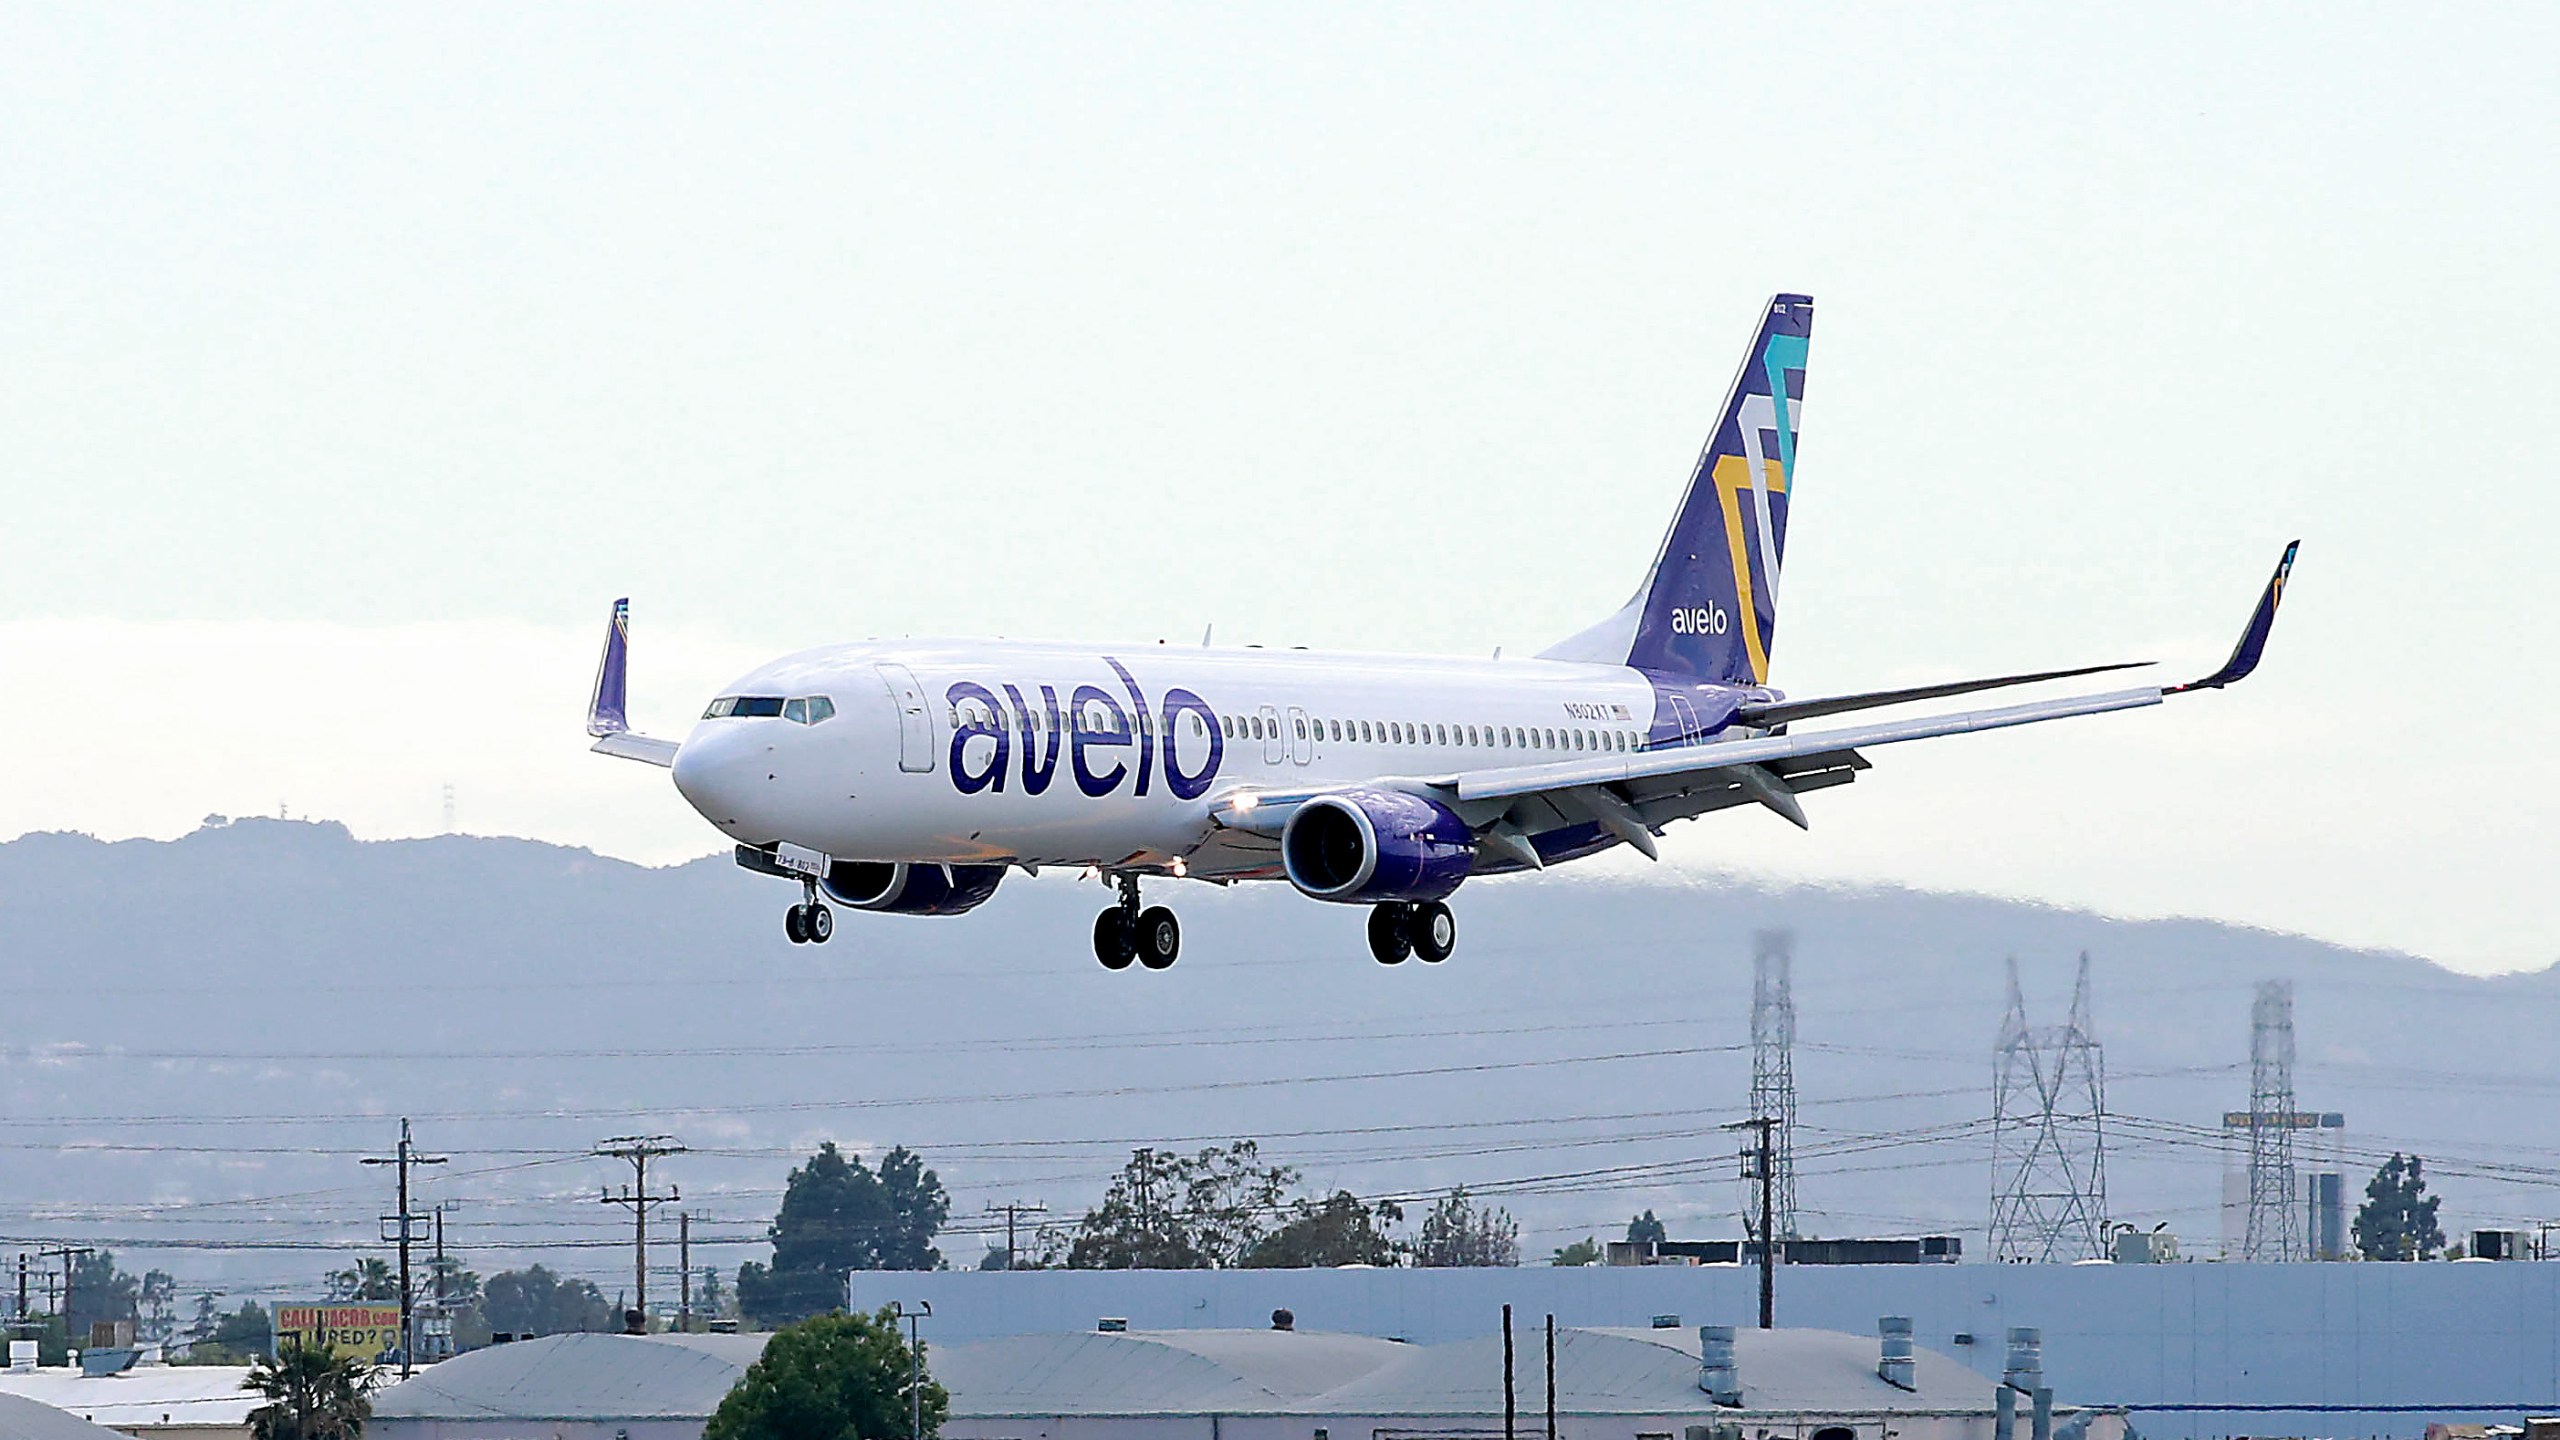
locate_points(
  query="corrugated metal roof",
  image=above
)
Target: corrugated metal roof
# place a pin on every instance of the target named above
(25, 1419)
(1652, 1372)
(143, 1396)
(1153, 1372)
(578, 1377)
(1196, 1372)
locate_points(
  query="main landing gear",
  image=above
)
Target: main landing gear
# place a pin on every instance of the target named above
(810, 922)
(1151, 937)
(1398, 929)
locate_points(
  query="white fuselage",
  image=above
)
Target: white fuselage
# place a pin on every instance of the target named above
(983, 752)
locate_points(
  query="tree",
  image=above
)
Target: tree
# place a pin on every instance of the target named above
(533, 1301)
(233, 1339)
(1459, 1232)
(835, 1377)
(313, 1393)
(1645, 1229)
(368, 1279)
(837, 1217)
(99, 1292)
(159, 1308)
(1585, 1251)
(1338, 1230)
(1182, 1212)
(2398, 1218)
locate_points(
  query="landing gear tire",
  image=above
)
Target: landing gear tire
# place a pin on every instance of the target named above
(1388, 937)
(1432, 931)
(1159, 938)
(821, 925)
(795, 923)
(1115, 940)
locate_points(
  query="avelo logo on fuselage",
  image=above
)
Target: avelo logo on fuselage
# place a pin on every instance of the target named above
(1094, 725)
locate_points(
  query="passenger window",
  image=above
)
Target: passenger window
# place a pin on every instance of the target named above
(1442, 731)
(1471, 734)
(1364, 732)
(1302, 728)
(1337, 729)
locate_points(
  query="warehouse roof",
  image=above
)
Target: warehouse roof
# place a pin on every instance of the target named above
(1651, 1372)
(1154, 1372)
(578, 1377)
(25, 1419)
(1195, 1372)
(145, 1396)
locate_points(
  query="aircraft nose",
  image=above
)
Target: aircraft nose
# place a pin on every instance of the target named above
(715, 771)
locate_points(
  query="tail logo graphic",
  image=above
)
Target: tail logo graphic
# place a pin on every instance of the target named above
(1710, 608)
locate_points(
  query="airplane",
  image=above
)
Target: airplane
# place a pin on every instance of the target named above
(910, 777)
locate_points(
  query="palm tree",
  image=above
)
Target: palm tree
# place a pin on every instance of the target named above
(313, 1393)
(367, 1279)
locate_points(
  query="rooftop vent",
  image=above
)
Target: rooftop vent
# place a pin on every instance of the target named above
(1283, 1320)
(1112, 1324)
(1666, 1322)
(1894, 1362)
(1718, 1375)
(2026, 1359)
(22, 1354)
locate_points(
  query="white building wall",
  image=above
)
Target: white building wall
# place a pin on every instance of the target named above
(2195, 1350)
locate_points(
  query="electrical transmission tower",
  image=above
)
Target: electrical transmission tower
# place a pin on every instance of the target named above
(2274, 1228)
(2048, 1135)
(1773, 1076)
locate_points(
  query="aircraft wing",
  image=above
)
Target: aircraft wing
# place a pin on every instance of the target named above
(1631, 796)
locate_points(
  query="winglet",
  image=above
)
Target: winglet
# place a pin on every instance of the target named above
(605, 713)
(2253, 641)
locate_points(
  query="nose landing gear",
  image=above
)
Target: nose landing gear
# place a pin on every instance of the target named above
(1123, 933)
(810, 922)
(1397, 929)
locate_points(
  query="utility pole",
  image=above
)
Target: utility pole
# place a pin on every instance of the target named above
(22, 1291)
(1510, 1410)
(1551, 1376)
(1013, 1211)
(1757, 1159)
(401, 1159)
(70, 1256)
(639, 1150)
(915, 1360)
(684, 1272)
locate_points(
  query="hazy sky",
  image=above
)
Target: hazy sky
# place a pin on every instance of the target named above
(357, 357)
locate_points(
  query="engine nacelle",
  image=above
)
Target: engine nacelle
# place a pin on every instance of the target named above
(1361, 846)
(901, 889)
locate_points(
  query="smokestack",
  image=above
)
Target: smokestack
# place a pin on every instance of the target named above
(1718, 1374)
(2026, 1359)
(1894, 1362)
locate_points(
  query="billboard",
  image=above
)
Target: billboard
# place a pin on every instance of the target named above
(367, 1330)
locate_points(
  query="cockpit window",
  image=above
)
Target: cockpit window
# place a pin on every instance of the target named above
(821, 708)
(796, 711)
(745, 707)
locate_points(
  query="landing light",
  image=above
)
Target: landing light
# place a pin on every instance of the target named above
(1245, 803)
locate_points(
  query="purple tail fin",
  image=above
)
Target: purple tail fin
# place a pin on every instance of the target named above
(605, 715)
(1709, 606)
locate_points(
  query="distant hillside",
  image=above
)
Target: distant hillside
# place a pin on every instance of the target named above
(216, 1017)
